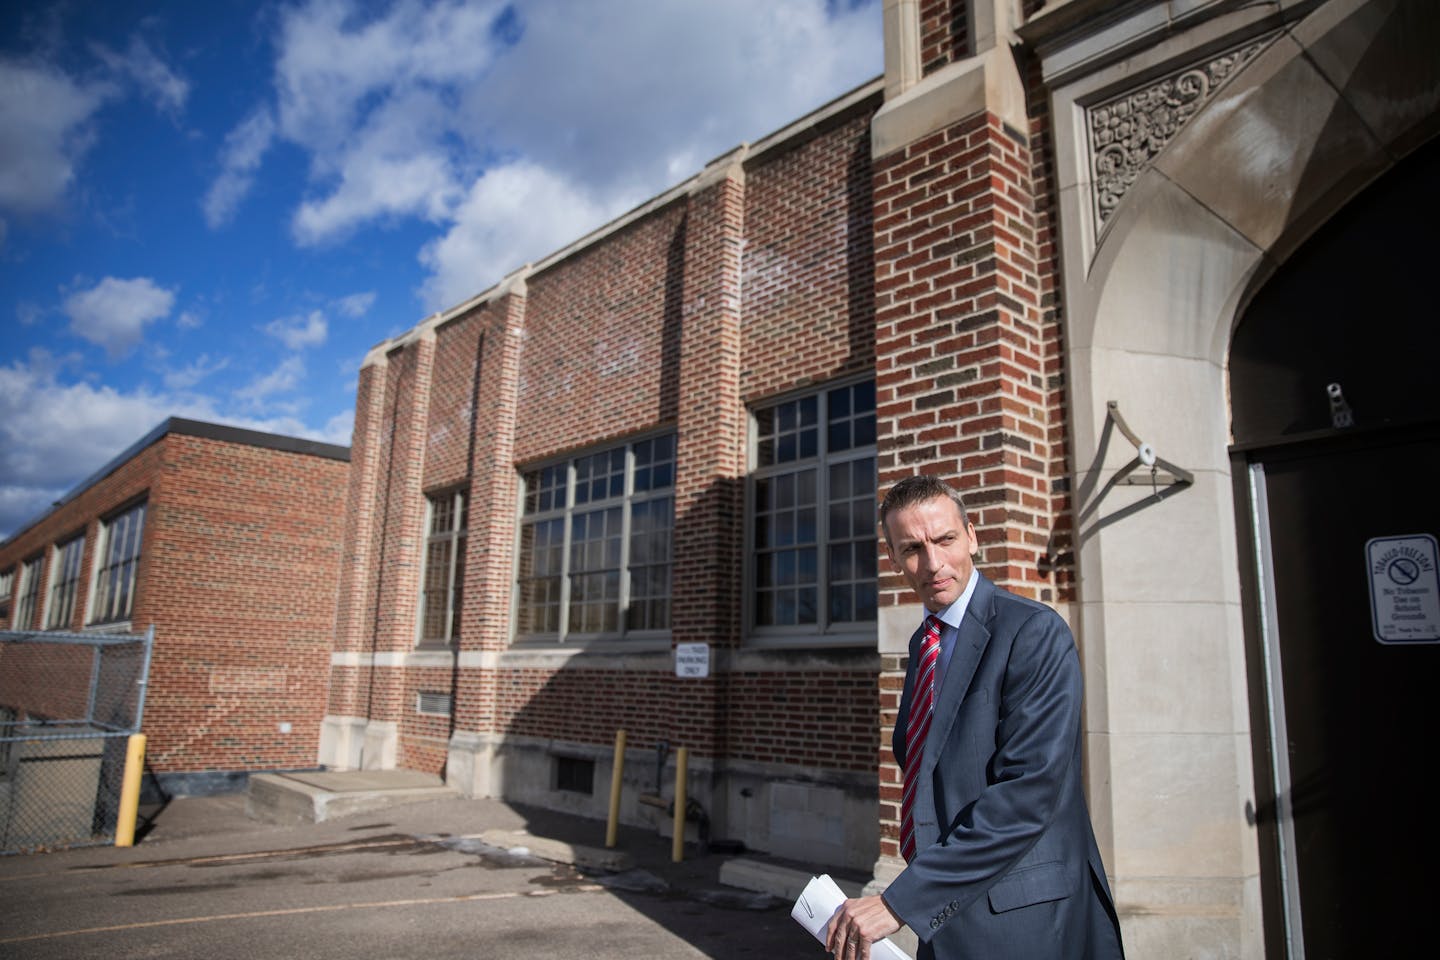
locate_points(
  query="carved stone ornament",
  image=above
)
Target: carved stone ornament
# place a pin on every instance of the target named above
(1127, 132)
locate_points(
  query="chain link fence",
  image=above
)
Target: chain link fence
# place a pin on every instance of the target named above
(68, 705)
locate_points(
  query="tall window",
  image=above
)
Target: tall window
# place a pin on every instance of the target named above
(119, 558)
(29, 596)
(595, 542)
(7, 593)
(64, 583)
(444, 577)
(812, 512)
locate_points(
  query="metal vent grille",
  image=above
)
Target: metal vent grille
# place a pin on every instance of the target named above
(433, 703)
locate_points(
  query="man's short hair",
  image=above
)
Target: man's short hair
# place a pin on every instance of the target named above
(918, 489)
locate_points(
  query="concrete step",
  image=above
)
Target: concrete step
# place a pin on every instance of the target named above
(286, 799)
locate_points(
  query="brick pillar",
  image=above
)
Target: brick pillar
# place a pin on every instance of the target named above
(402, 543)
(343, 729)
(962, 355)
(490, 543)
(710, 450)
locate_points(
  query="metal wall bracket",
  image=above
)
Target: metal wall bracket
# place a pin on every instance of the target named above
(1164, 479)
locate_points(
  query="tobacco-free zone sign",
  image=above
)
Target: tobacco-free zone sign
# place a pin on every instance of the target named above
(1404, 588)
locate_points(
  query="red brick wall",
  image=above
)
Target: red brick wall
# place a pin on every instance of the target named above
(46, 681)
(757, 282)
(361, 542)
(494, 491)
(944, 33)
(808, 304)
(1057, 550)
(599, 348)
(424, 738)
(837, 731)
(243, 560)
(546, 704)
(238, 575)
(965, 355)
(448, 432)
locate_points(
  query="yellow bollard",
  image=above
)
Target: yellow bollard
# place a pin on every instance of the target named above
(130, 791)
(677, 849)
(617, 777)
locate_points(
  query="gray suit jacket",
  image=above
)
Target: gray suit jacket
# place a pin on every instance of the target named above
(1006, 863)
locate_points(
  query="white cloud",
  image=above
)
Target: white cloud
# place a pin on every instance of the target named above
(283, 379)
(114, 312)
(44, 132)
(245, 147)
(139, 64)
(192, 373)
(513, 214)
(297, 333)
(357, 304)
(335, 63)
(633, 92)
(370, 99)
(339, 429)
(428, 110)
(374, 185)
(46, 119)
(54, 434)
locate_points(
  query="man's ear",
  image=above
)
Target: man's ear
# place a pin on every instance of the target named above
(974, 540)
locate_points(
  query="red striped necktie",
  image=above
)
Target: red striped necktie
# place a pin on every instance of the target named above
(921, 707)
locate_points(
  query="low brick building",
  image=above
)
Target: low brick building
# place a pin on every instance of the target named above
(227, 543)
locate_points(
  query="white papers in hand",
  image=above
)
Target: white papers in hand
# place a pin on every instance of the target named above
(818, 902)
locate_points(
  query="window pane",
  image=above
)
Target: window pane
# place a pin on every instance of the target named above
(865, 601)
(118, 559)
(851, 416)
(786, 432)
(444, 574)
(842, 606)
(814, 531)
(851, 556)
(604, 566)
(64, 583)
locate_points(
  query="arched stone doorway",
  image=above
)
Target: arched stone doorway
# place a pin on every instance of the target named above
(1336, 95)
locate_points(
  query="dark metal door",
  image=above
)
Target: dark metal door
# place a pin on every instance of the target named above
(1357, 716)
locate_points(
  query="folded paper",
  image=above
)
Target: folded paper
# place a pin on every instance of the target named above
(818, 903)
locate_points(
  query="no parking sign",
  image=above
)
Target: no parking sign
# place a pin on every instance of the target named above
(1404, 588)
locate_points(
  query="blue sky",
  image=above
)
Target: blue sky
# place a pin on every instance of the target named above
(213, 210)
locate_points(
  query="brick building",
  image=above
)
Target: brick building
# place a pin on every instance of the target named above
(226, 542)
(1110, 266)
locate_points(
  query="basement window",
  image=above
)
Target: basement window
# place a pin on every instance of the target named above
(575, 775)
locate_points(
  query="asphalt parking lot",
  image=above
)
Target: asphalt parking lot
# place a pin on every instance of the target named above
(205, 881)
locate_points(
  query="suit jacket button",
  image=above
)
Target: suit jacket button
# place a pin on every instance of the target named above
(935, 924)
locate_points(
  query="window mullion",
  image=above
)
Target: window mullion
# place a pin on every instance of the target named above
(627, 495)
(454, 537)
(568, 513)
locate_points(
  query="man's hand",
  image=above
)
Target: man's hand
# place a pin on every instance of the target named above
(858, 923)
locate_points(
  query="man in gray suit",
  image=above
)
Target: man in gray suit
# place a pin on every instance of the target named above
(1001, 856)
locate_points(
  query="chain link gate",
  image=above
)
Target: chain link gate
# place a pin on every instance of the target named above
(68, 705)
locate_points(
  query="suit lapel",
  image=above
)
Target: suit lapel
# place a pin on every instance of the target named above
(973, 637)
